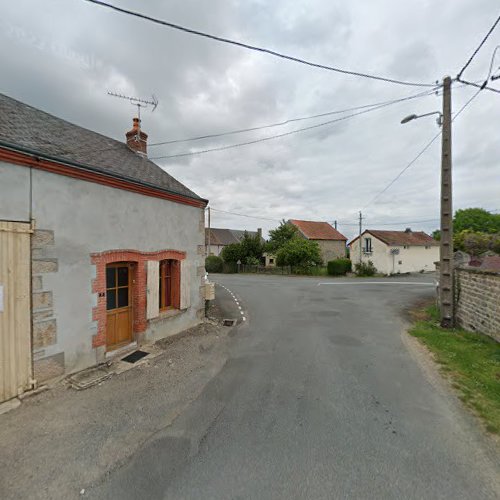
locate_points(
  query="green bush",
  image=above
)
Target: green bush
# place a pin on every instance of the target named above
(339, 267)
(213, 264)
(365, 269)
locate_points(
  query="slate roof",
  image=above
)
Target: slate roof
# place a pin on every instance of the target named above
(317, 230)
(402, 238)
(223, 237)
(26, 127)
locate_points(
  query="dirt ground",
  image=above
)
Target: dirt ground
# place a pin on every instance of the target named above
(59, 442)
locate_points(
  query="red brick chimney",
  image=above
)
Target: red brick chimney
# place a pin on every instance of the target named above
(137, 140)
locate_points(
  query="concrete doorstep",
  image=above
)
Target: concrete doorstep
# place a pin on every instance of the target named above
(98, 374)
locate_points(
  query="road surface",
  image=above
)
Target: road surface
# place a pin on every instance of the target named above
(321, 398)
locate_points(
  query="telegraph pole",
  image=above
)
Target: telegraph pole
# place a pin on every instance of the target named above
(209, 231)
(446, 288)
(360, 231)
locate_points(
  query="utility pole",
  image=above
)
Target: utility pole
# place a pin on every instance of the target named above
(360, 231)
(209, 231)
(446, 288)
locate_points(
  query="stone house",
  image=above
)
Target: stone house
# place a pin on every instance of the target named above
(394, 252)
(100, 248)
(331, 242)
(217, 238)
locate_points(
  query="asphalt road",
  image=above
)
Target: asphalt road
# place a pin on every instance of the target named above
(320, 398)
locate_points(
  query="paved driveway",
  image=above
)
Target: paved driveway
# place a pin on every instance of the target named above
(320, 398)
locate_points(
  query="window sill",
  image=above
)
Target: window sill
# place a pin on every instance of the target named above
(167, 314)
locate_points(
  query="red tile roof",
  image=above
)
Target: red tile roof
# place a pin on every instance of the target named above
(491, 263)
(317, 230)
(401, 238)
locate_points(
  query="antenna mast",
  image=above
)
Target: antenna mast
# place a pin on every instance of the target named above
(136, 101)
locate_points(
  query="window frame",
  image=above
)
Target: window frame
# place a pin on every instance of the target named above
(169, 285)
(367, 248)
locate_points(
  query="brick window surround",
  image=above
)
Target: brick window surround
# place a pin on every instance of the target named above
(139, 277)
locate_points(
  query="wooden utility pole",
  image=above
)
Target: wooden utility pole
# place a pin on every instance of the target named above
(209, 231)
(360, 231)
(446, 288)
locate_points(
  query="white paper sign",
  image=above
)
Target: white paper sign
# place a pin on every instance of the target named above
(1, 298)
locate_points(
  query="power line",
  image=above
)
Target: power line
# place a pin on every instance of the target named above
(268, 138)
(426, 147)
(286, 122)
(245, 215)
(478, 47)
(480, 87)
(255, 48)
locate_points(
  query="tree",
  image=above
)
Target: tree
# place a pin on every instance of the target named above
(232, 253)
(436, 234)
(251, 248)
(477, 220)
(299, 252)
(247, 251)
(474, 243)
(280, 236)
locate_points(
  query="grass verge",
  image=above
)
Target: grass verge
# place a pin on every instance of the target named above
(470, 360)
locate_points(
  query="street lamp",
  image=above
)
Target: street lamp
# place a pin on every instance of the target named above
(446, 289)
(439, 119)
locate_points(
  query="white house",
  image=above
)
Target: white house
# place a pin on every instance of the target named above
(100, 248)
(394, 252)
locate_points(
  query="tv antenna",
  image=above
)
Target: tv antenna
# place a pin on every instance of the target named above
(135, 101)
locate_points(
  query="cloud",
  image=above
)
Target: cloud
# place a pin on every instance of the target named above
(63, 57)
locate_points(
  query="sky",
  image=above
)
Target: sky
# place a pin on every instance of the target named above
(63, 56)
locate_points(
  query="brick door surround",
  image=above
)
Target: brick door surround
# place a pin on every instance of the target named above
(139, 277)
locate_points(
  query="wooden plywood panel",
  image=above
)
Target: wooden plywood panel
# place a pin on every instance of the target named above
(153, 289)
(185, 285)
(15, 309)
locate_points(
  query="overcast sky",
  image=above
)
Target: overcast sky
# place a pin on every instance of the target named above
(62, 56)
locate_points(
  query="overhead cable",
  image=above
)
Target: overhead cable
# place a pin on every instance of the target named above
(245, 215)
(478, 48)
(290, 120)
(426, 147)
(255, 48)
(291, 132)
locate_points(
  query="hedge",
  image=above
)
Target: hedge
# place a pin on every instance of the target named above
(213, 264)
(339, 267)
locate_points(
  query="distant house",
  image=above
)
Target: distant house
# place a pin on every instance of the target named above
(100, 248)
(331, 242)
(217, 238)
(395, 252)
(269, 259)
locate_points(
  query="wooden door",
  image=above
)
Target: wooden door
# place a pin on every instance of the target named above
(15, 309)
(118, 305)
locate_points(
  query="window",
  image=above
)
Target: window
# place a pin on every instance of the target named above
(367, 246)
(166, 288)
(271, 261)
(406, 247)
(427, 247)
(117, 286)
(400, 262)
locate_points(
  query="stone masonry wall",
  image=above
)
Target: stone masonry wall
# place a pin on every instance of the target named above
(477, 301)
(46, 365)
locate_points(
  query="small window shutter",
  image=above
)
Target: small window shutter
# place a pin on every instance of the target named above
(185, 285)
(153, 289)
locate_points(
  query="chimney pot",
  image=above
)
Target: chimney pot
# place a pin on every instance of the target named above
(408, 230)
(137, 139)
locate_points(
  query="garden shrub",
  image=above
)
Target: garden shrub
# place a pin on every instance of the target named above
(365, 269)
(339, 267)
(213, 264)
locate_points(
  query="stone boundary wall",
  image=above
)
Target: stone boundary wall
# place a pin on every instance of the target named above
(477, 301)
